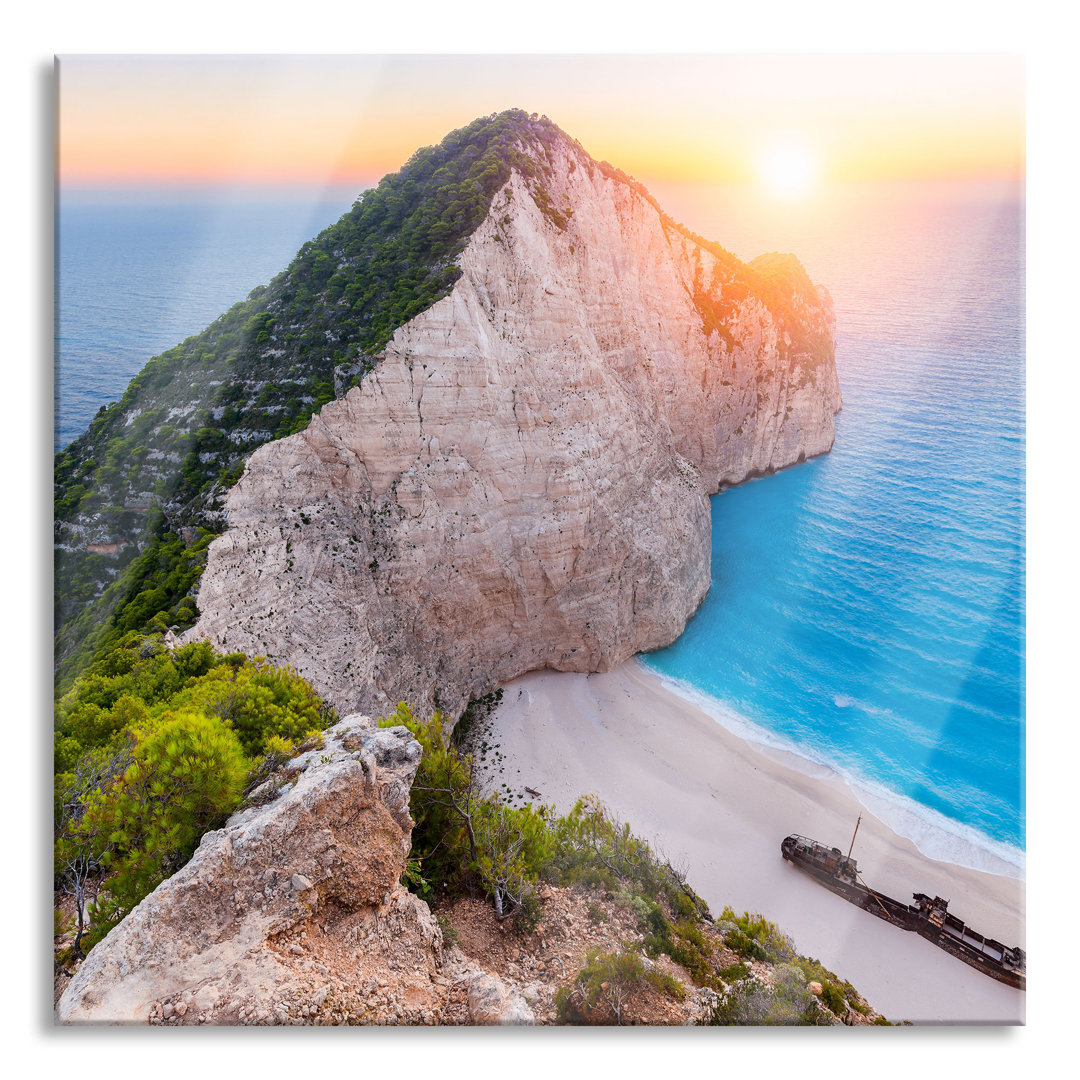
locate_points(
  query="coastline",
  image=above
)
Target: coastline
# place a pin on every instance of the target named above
(718, 806)
(937, 837)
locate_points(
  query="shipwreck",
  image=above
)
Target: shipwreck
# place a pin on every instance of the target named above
(928, 917)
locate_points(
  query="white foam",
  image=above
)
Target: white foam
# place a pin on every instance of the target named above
(935, 835)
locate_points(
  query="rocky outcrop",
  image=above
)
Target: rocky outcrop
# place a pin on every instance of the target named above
(291, 913)
(522, 481)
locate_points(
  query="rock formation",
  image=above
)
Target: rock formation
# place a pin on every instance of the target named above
(292, 913)
(522, 481)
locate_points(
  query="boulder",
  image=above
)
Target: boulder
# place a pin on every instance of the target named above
(492, 1002)
(291, 913)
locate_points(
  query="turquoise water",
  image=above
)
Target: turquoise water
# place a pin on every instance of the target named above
(867, 608)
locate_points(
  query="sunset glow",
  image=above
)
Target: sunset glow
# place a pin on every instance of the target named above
(243, 120)
(788, 167)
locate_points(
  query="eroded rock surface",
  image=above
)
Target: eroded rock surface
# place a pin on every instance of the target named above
(522, 482)
(291, 913)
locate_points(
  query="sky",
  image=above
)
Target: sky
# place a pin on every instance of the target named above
(213, 120)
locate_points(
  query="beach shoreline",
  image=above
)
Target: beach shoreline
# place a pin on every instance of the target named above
(938, 838)
(718, 806)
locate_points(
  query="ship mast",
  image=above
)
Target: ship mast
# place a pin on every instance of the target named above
(853, 835)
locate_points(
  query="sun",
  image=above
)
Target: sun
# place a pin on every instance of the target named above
(788, 167)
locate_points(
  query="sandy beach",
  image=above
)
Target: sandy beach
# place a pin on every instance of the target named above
(719, 806)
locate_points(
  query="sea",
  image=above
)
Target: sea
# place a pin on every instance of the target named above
(866, 613)
(139, 271)
(867, 607)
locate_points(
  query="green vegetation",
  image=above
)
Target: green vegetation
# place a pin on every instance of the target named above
(153, 748)
(155, 591)
(605, 984)
(787, 1002)
(466, 841)
(836, 993)
(601, 989)
(152, 470)
(756, 938)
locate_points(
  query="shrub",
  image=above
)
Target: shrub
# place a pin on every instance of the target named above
(691, 949)
(666, 984)
(466, 839)
(185, 775)
(600, 992)
(833, 997)
(530, 913)
(463, 837)
(836, 994)
(734, 972)
(754, 936)
(450, 936)
(787, 1002)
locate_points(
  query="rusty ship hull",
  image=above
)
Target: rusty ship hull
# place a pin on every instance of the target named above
(928, 917)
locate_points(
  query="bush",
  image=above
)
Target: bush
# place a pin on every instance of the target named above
(600, 992)
(733, 973)
(755, 937)
(836, 994)
(186, 774)
(450, 936)
(787, 1002)
(465, 839)
(833, 997)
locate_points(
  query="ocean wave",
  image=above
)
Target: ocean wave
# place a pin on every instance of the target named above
(936, 836)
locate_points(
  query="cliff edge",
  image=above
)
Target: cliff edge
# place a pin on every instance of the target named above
(522, 479)
(251, 930)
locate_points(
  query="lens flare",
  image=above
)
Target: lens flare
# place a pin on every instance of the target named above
(788, 168)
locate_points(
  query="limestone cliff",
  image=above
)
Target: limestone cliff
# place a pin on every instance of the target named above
(521, 482)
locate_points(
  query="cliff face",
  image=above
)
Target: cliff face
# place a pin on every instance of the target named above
(139, 495)
(522, 480)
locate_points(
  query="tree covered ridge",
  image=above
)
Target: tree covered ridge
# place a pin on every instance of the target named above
(155, 467)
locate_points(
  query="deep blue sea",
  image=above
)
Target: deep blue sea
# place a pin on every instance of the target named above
(137, 273)
(867, 608)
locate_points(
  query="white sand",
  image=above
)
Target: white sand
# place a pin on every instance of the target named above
(720, 806)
